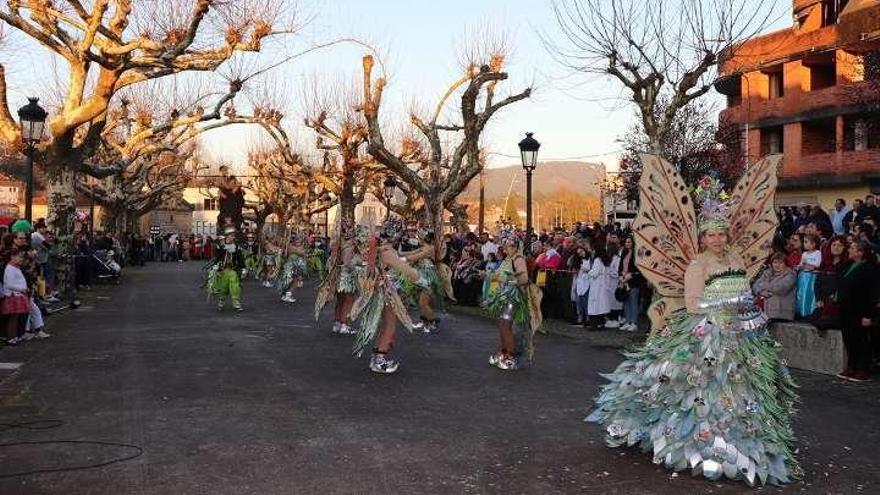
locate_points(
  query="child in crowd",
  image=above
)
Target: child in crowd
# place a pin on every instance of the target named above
(811, 260)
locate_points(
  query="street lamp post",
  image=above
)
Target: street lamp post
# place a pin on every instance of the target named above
(33, 122)
(528, 149)
(389, 184)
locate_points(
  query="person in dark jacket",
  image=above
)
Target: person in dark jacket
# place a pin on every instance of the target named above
(858, 296)
(231, 204)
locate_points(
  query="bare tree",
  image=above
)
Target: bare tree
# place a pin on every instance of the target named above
(664, 54)
(696, 143)
(439, 160)
(107, 46)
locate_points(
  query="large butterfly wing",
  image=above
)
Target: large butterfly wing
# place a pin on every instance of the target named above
(665, 228)
(753, 219)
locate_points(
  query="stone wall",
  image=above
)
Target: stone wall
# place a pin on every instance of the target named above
(806, 348)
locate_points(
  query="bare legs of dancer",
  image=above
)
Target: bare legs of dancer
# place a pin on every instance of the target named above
(342, 315)
(504, 359)
(380, 362)
(429, 320)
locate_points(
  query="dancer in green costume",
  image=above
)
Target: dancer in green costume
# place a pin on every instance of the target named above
(708, 391)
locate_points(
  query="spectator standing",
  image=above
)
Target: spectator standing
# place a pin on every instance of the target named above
(793, 250)
(869, 210)
(632, 280)
(841, 210)
(231, 204)
(487, 246)
(600, 293)
(580, 264)
(858, 311)
(811, 260)
(776, 289)
(835, 260)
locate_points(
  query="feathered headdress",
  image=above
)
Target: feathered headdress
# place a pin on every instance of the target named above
(713, 203)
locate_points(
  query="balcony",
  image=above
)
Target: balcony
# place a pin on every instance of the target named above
(799, 106)
(842, 164)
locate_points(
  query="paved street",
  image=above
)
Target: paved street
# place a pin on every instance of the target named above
(266, 403)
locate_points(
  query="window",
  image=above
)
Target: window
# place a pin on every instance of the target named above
(369, 211)
(772, 141)
(818, 136)
(823, 75)
(776, 84)
(210, 203)
(831, 10)
(861, 132)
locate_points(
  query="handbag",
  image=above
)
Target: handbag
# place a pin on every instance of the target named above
(621, 293)
(15, 304)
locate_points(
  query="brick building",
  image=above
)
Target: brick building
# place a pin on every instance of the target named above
(800, 91)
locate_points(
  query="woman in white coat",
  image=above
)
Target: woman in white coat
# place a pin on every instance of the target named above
(600, 293)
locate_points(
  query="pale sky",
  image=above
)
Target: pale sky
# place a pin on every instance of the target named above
(573, 117)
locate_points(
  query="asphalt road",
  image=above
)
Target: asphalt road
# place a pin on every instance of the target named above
(266, 402)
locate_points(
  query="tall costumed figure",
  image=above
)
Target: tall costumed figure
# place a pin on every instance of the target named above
(708, 390)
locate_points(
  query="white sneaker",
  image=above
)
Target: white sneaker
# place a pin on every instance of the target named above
(380, 363)
(336, 327)
(267, 284)
(51, 299)
(288, 298)
(345, 329)
(42, 335)
(612, 324)
(27, 337)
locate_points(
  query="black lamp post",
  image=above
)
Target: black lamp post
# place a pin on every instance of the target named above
(528, 149)
(33, 122)
(389, 184)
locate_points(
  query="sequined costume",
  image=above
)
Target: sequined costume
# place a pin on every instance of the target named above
(520, 304)
(345, 270)
(708, 390)
(379, 288)
(291, 273)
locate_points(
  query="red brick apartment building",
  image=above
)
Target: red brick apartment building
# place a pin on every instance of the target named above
(800, 92)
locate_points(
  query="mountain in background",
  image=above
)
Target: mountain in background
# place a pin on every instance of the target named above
(548, 179)
(563, 193)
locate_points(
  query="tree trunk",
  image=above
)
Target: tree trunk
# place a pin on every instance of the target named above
(347, 203)
(459, 218)
(61, 215)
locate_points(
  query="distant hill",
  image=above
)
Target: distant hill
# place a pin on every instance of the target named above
(548, 179)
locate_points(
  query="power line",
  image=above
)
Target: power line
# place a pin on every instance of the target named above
(563, 159)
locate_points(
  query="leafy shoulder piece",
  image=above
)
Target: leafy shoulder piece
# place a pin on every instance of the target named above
(665, 232)
(753, 219)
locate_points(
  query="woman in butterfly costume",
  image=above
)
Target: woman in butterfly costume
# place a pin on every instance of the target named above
(708, 390)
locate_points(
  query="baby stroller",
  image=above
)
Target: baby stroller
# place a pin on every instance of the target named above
(106, 267)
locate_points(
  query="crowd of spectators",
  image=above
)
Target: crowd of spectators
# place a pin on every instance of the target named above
(588, 274)
(824, 271)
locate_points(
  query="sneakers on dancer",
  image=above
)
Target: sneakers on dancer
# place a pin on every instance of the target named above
(612, 324)
(494, 359)
(507, 363)
(382, 364)
(288, 298)
(346, 329)
(419, 327)
(336, 327)
(238, 308)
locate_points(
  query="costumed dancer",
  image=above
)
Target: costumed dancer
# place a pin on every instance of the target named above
(343, 279)
(292, 272)
(270, 264)
(516, 303)
(423, 259)
(379, 305)
(708, 391)
(226, 281)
